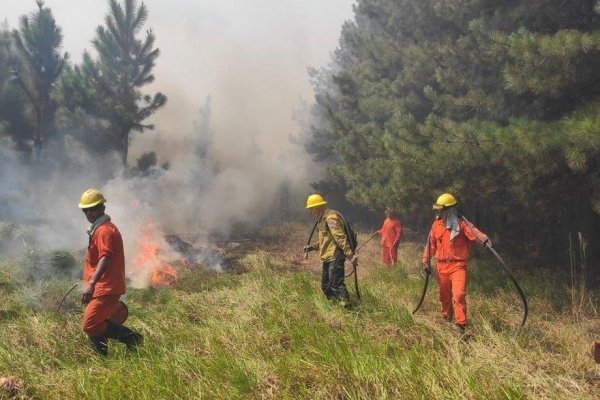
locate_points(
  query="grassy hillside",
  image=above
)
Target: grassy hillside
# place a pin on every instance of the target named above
(267, 332)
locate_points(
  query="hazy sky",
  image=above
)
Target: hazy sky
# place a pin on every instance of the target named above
(251, 56)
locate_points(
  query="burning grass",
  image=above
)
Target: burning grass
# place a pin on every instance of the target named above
(161, 259)
(268, 333)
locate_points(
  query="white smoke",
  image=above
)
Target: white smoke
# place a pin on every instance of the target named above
(251, 57)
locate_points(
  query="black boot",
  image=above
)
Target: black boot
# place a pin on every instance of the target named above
(100, 344)
(124, 335)
(462, 332)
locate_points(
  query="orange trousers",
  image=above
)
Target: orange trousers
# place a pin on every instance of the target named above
(390, 255)
(96, 312)
(452, 281)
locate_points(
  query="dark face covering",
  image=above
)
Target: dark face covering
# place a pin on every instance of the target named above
(451, 221)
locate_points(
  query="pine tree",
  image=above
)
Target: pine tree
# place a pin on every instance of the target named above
(14, 123)
(493, 101)
(124, 65)
(37, 65)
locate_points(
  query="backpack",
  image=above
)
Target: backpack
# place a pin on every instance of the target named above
(353, 242)
(350, 233)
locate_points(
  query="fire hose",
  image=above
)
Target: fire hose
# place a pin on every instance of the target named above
(119, 315)
(312, 232)
(368, 240)
(353, 272)
(354, 264)
(510, 275)
(428, 263)
(65, 296)
(358, 249)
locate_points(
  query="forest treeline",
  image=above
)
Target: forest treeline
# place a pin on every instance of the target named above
(496, 102)
(50, 107)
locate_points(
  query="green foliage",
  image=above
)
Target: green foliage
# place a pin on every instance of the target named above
(37, 64)
(96, 104)
(14, 123)
(63, 262)
(110, 85)
(496, 102)
(78, 117)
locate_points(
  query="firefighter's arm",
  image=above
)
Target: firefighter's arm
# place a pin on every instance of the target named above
(474, 234)
(398, 234)
(336, 227)
(312, 247)
(430, 248)
(88, 290)
(427, 254)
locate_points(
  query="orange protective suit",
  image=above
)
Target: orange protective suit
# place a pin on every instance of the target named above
(97, 311)
(391, 233)
(452, 259)
(106, 241)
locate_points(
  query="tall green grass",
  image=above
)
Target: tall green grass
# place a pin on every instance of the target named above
(269, 333)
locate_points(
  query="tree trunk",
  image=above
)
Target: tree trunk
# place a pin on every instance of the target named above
(38, 139)
(124, 146)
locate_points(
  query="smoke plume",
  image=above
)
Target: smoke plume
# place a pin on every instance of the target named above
(234, 73)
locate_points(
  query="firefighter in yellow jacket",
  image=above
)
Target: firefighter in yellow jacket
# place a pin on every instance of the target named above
(333, 246)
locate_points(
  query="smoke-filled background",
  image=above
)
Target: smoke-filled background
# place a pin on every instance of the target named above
(234, 74)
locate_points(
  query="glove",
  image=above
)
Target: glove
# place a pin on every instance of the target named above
(354, 260)
(426, 269)
(308, 248)
(487, 243)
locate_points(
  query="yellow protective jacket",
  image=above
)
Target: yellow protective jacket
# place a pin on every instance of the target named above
(332, 237)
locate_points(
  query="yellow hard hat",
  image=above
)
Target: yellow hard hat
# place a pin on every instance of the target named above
(91, 198)
(446, 200)
(315, 200)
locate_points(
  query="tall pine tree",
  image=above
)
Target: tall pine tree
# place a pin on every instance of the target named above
(37, 65)
(124, 65)
(14, 121)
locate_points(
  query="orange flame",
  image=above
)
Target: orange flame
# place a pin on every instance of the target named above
(151, 245)
(163, 275)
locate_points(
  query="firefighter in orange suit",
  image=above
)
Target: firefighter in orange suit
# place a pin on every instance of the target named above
(391, 233)
(449, 243)
(103, 277)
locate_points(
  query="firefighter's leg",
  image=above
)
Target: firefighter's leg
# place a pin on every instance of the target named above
(386, 256)
(124, 335)
(100, 344)
(326, 281)
(394, 254)
(94, 323)
(337, 279)
(459, 290)
(445, 287)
